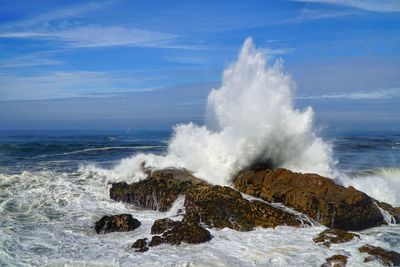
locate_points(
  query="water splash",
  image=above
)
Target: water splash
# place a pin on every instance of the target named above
(254, 121)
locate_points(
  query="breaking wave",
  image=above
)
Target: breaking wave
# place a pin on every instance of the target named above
(382, 184)
(253, 121)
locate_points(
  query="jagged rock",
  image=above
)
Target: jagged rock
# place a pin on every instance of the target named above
(335, 261)
(318, 197)
(158, 191)
(334, 236)
(385, 257)
(191, 233)
(220, 207)
(116, 223)
(140, 245)
(162, 225)
(188, 232)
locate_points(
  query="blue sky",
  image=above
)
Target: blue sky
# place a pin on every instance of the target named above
(150, 64)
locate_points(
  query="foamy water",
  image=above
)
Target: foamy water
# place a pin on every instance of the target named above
(50, 221)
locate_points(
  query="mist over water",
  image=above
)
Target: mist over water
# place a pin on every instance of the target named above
(253, 121)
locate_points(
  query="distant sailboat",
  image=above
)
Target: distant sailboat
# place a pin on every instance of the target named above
(128, 130)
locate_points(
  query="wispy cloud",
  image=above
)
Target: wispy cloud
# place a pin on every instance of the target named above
(308, 14)
(98, 36)
(46, 18)
(69, 84)
(359, 95)
(35, 59)
(368, 5)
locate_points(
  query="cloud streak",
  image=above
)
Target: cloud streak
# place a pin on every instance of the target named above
(98, 36)
(368, 5)
(388, 93)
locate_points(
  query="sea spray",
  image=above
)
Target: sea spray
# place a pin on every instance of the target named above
(254, 122)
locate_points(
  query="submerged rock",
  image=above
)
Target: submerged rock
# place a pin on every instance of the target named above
(116, 223)
(335, 261)
(385, 257)
(334, 236)
(158, 191)
(320, 198)
(222, 206)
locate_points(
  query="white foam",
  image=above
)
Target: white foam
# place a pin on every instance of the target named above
(382, 184)
(253, 119)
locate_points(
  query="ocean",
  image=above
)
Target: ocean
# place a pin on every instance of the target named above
(54, 187)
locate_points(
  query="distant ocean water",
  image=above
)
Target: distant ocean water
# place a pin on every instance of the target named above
(50, 198)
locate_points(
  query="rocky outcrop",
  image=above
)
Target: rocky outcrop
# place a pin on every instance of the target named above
(116, 223)
(320, 198)
(222, 206)
(162, 225)
(174, 233)
(335, 261)
(334, 236)
(385, 257)
(158, 191)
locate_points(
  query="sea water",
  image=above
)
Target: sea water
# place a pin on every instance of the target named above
(52, 192)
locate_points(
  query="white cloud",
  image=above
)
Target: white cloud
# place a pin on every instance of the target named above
(68, 84)
(369, 5)
(98, 36)
(308, 14)
(359, 95)
(28, 61)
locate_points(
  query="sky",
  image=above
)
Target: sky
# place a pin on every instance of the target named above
(150, 64)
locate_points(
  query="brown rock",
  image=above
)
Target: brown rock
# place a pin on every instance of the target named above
(318, 197)
(334, 236)
(140, 245)
(158, 191)
(335, 261)
(385, 257)
(162, 225)
(220, 207)
(116, 223)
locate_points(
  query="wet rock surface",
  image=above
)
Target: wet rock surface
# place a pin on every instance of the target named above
(158, 191)
(177, 232)
(335, 261)
(140, 245)
(161, 225)
(394, 212)
(116, 223)
(385, 257)
(221, 206)
(334, 236)
(318, 197)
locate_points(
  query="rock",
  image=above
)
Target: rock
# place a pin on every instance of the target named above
(335, 261)
(158, 191)
(188, 232)
(116, 223)
(334, 236)
(320, 198)
(162, 225)
(222, 206)
(385, 257)
(191, 233)
(394, 212)
(140, 245)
